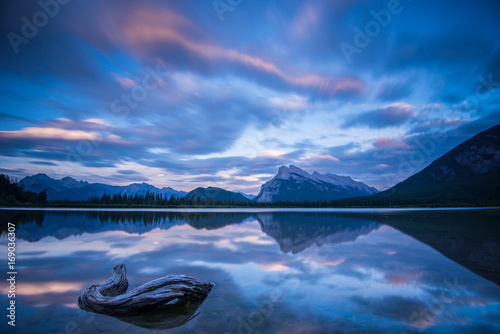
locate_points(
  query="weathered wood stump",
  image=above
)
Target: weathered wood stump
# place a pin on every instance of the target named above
(170, 300)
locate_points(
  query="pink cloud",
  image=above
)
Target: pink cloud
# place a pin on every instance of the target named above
(393, 143)
(49, 133)
(149, 28)
(333, 263)
(397, 280)
(325, 157)
(125, 82)
(383, 142)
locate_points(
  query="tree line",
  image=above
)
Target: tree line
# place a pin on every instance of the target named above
(154, 200)
(13, 193)
(159, 200)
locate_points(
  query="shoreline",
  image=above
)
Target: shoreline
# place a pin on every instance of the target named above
(187, 209)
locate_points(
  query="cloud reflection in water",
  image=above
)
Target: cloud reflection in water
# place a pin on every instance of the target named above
(274, 272)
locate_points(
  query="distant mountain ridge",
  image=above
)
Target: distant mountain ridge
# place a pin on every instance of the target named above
(218, 194)
(249, 196)
(296, 185)
(290, 184)
(73, 190)
(470, 171)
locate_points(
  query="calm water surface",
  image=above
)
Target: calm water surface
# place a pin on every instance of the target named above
(379, 271)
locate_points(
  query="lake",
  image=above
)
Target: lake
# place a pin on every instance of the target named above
(275, 271)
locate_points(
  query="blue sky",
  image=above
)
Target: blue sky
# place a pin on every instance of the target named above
(204, 93)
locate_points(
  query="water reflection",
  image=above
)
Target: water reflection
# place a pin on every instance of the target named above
(274, 272)
(466, 237)
(295, 233)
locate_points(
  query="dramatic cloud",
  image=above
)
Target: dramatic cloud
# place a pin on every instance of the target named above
(168, 90)
(394, 91)
(393, 115)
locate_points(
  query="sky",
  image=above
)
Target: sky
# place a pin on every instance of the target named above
(222, 93)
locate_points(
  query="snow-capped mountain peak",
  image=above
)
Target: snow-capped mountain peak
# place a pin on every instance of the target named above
(294, 184)
(287, 172)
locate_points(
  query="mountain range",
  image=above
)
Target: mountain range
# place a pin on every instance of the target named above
(217, 194)
(290, 184)
(73, 190)
(469, 172)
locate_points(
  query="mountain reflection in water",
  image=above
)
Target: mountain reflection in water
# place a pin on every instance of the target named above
(274, 271)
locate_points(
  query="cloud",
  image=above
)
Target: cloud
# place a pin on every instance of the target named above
(391, 143)
(492, 69)
(127, 172)
(95, 124)
(319, 163)
(426, 126)
(9, 171)
(119, 178)
(285, 81)
(413, 312)
(152, 28)
(43, 163)
(446, 50)
(292, 103)
(307, 17)
(48, 133)
(393, 115)
(391, 92)
(325, 157)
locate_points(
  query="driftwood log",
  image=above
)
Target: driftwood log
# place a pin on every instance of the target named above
(166, 302)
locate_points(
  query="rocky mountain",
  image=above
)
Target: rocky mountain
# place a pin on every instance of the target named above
(216, 193)
(294, 184)
(73, 190)
(471, 172)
